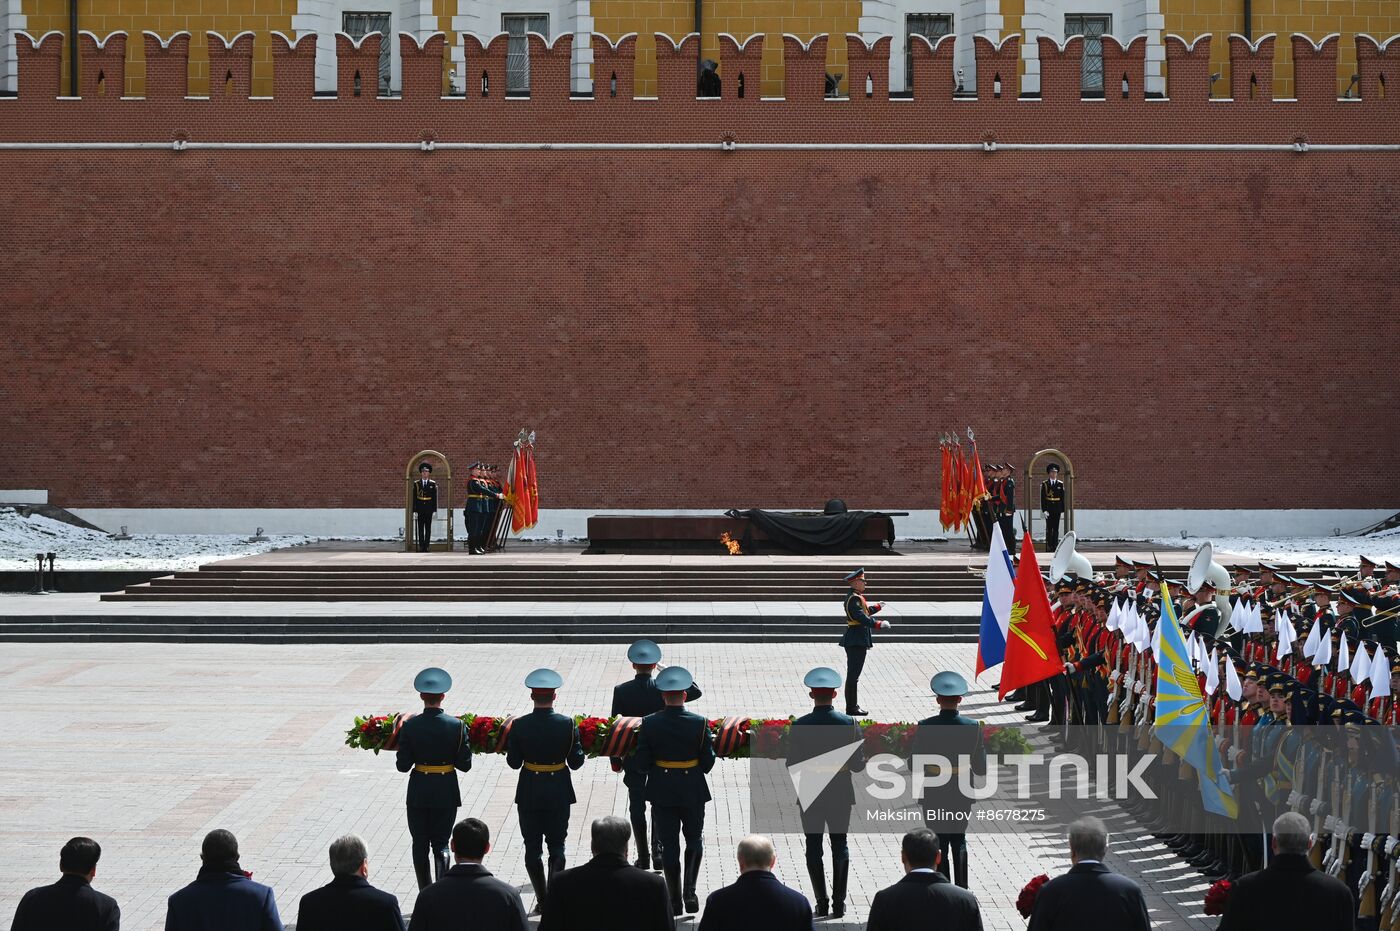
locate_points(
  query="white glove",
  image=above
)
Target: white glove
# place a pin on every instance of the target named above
(1367, 840)
(1316, 804)
(1390, 845)
(1329, 824)
(882, 625)
(1336, 868)
(1139, 687)
(1327, 859)
(1125, 704)
(1365, 881)
(1113, 676)
(1293, 798)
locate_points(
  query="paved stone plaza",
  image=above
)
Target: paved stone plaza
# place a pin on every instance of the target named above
(147, 747)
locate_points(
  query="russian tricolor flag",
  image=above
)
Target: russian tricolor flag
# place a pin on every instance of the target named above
(996, 604)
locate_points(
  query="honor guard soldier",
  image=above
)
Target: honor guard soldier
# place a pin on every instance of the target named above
(675, 749)
(425, 495)
(544, 746)
(830, 811)
(1052, 505)
(637, 698)
(1006, 507)
(857, 640)
(959, 739)
(480, 496)
(432, 747)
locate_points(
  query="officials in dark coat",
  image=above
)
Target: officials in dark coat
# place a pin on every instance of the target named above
(222, 897)
(432, 748)
(1091, 897)
(821, 731)
(1289, 892)
(544, 746)
(607, 893)
(924, 900)
(71, 903)
(348, 902)
(637, 698)
(757, 899)
(675, 749)
(468, 897)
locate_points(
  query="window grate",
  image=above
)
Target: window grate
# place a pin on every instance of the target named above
(359, 25)
(1093, 28)
(932, 26)
(517, 26)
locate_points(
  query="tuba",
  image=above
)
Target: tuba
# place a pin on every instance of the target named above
(1067, 562)
(1206, 571)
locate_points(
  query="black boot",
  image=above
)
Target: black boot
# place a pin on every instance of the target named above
(817, 871)
(421, 868)
(692, 874)
(960, 866)
(643, 861)
(535, 869)
(853, 707)
(840, 869)
(655, 848)
(441, 864)
(673, 888)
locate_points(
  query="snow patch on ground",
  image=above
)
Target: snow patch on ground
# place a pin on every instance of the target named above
(78, 548)
(1302, 551)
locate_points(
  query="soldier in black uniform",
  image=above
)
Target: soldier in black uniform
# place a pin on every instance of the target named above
(1005, 507)
(637, 698)
(425, 494)
(857, 640)
(1052, 505)
(947, 805)
(675, 749)
(433, 746)
(830, 811)
(480, 496)
(544, 746)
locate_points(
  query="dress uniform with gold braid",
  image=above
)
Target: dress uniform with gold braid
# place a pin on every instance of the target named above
(637, 698)
(432, 748)
(675, 749)
(857, 640)
(1052, 506)
(425, 502)
(544, 746)
(480, 496)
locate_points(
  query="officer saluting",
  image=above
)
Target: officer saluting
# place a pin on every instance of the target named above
(544, 746)
(675, 749)
(1052, 505)
(432, 747)
(637, 698)
(857, 640)
(425, 495)
(831, 809)
(951, 735)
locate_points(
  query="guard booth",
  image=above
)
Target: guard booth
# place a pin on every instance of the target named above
(442, 538)
(1031, 479)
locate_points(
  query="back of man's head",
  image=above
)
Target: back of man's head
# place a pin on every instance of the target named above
(1088, 840)
(79, 856)
(348, 854)
(920, 849)
(220, 847)
(471, 838)
(1292, 833)
(756, 853)
(610, 836)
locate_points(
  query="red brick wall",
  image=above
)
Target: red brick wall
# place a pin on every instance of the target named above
(698, 329)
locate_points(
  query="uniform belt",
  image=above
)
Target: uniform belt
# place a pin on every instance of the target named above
(544, 767)
(850, 623)
(478, 496)
(678, 764)
(434, 768)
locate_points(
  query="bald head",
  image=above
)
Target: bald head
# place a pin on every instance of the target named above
(756, 853)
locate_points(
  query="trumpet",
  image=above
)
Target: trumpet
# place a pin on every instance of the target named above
(1305, 593)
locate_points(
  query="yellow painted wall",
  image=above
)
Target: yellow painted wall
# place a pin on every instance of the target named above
(1012, 12)
(1313, 18)
(739, 18)
(166, 17)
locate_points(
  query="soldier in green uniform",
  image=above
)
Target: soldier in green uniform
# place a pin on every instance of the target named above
(958, 739)
(857, 640)
(821, 731)
(675, 749)
(425, 502)
(432, 747)
(544, 746)
(480, 496)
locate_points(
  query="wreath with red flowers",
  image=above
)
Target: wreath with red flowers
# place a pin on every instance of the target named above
(1025, 902)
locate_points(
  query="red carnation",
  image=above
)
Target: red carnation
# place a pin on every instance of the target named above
(1025, 902)
(1217, 897)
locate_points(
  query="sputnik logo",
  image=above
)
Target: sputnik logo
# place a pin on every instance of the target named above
(811, 776)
